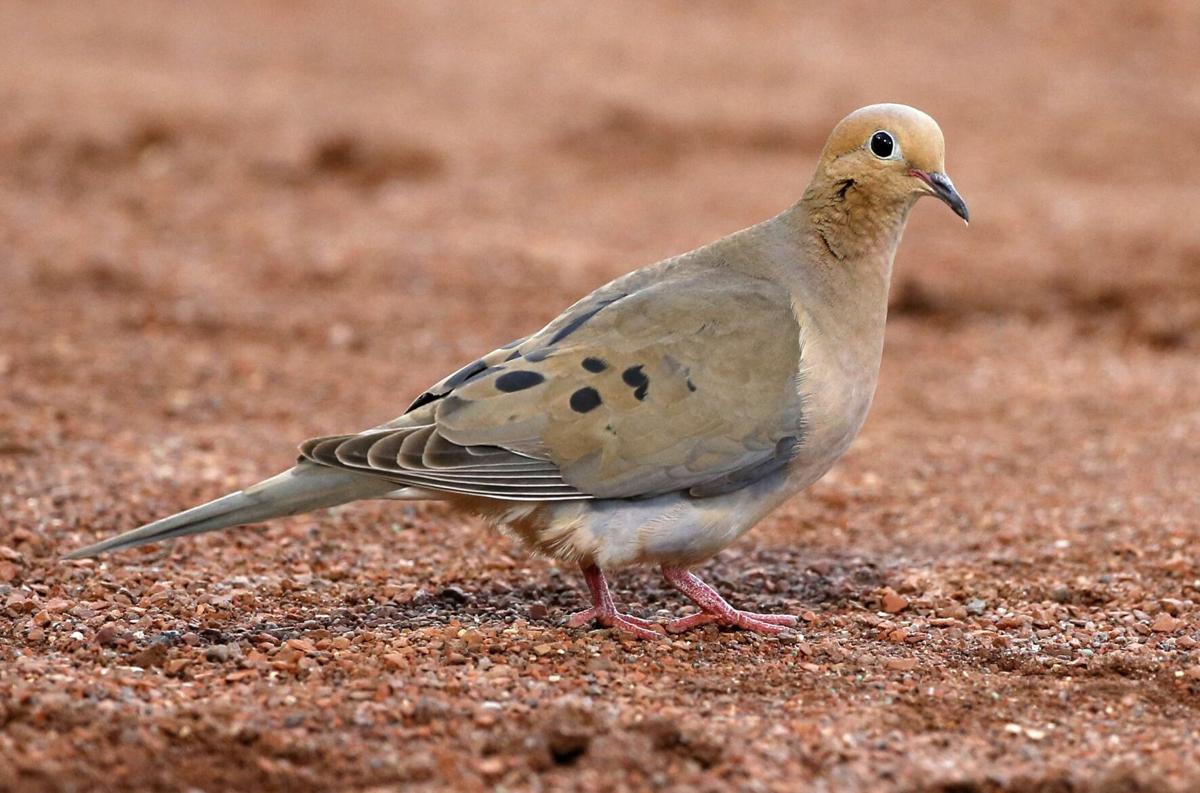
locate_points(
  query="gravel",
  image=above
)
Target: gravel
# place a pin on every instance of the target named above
(223, 230)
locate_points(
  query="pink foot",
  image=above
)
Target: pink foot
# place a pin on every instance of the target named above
(581, 618)
(604, 611)
(749, 620)
(714, 608)
(622, 622)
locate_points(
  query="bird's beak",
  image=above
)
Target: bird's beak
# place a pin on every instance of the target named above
(941, 186)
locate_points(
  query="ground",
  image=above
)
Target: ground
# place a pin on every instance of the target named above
(226, 227)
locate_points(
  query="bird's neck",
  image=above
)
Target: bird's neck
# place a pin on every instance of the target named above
(848, 242)
(855, 226)
(849, 238)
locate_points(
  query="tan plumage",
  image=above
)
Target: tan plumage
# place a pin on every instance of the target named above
(646, 422)
(663, 415)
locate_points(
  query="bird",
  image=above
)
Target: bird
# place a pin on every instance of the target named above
(662, 416)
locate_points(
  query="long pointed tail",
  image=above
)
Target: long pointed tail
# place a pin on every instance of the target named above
(301, 489)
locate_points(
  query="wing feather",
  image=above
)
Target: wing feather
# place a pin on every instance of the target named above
(685, 382)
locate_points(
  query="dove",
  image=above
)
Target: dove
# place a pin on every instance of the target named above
(662, 416)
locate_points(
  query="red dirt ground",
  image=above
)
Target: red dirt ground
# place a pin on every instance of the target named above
(228, 227)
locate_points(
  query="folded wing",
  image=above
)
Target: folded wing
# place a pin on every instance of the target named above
(689, 383)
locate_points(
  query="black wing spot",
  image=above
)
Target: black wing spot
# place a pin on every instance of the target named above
(423, 400)
(595, 365)
(691, 386)
(579, 321)
(585, 399)
(464, 374)
(636, 379)
(471, 371)
(518, 381)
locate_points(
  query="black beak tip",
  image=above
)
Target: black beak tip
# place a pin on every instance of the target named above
(961, 210)
(945, 190)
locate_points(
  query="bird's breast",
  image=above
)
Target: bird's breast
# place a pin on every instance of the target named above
(837, 383)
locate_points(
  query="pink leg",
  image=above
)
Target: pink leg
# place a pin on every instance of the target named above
(713, 607)
(604, 611)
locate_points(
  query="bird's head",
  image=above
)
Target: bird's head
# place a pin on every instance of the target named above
(890, 155)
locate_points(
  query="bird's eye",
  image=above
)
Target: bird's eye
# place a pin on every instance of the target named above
(882, 145)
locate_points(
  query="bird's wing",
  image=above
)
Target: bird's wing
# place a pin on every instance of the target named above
(688, 383)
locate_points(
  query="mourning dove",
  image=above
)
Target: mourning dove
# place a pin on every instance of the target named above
(662, 416)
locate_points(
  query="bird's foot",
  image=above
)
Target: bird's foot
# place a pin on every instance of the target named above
(714, 608)
(604, 611)
(748, 620)
(615, 619)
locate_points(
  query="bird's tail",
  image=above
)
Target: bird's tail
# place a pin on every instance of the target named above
(301, 489)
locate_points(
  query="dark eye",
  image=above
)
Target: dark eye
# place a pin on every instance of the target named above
(882, 145)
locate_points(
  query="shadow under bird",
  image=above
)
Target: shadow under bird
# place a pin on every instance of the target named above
(662, 416)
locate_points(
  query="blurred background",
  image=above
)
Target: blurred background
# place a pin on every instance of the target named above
(228, 226)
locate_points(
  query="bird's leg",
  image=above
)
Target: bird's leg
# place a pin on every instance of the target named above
(604, 611)
(713, 607)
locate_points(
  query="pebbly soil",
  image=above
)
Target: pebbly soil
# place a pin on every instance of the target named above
(228, 227)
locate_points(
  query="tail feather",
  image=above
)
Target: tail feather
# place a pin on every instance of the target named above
(301, 489)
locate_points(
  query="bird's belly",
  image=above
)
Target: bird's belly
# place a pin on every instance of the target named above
(672, 529)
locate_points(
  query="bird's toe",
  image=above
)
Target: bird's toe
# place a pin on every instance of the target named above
(746, 620)
(644, 629)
